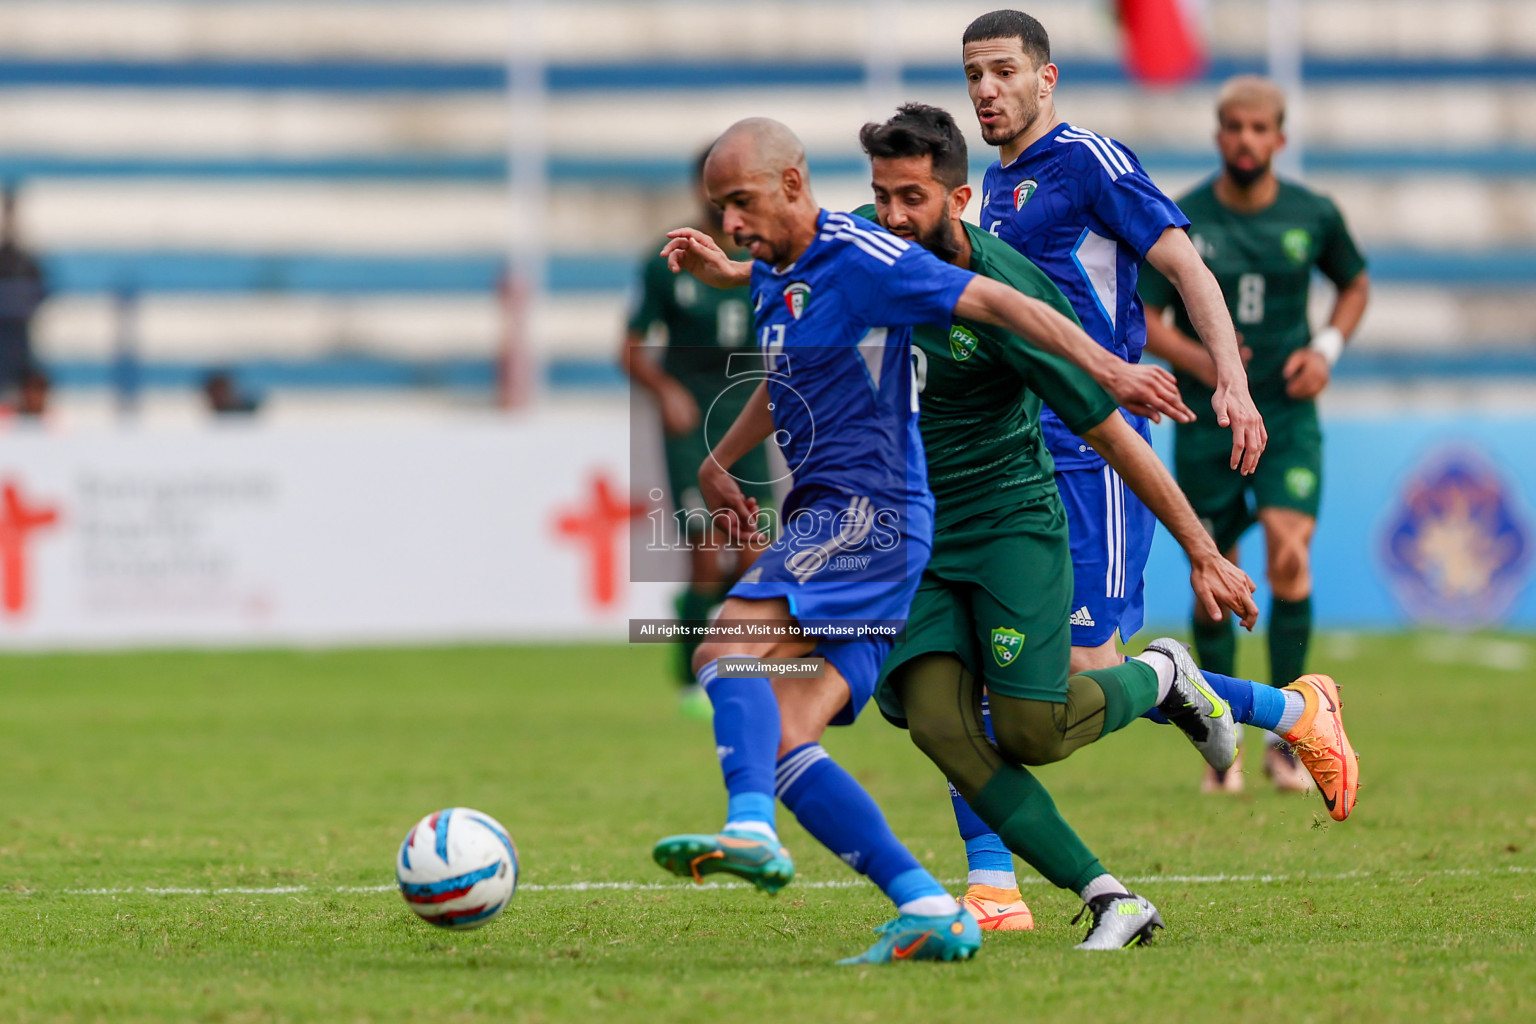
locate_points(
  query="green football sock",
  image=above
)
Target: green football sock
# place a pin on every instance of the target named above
(1290, 631)
(1022, 813)
(1130, 690)
(1216, 646)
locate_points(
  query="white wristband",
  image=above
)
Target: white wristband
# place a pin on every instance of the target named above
(1328, 343)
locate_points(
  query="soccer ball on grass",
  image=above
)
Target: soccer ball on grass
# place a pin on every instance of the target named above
(457, 868)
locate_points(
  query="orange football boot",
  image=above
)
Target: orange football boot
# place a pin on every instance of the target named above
(1320, 742)
(998, 910)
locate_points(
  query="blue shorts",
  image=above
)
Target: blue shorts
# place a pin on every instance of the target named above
(861, 582)
(1111, 533)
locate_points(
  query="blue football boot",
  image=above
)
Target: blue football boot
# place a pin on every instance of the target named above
(910, 937)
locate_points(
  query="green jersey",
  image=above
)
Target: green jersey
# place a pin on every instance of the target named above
(703, 326)
(981, 389)
(1263, 262)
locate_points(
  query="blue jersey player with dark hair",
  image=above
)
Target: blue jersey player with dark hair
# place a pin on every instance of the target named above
(1082, 209)
(834, 300)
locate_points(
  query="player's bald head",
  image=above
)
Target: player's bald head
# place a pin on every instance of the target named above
(756, 174)
(1251, 92)
(756, 147)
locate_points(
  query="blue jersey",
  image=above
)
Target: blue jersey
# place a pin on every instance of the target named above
(1083, 210)
(835, 328)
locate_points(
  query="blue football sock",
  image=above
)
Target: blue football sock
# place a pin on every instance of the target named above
(746, 724)
(1252, 703)
(1269, 704)
(988, 860)
(834, 808)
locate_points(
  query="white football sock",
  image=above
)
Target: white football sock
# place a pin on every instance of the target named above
(931, 906)
(1295, 705)
(762, 828)
(1163, 666)
(1104, 885)
(996, 879)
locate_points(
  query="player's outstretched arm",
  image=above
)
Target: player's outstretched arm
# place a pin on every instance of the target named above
(722, 492)
(1145, 390)
(1182, 352)
(694, 251)
(1217, 582)
(1175, 257)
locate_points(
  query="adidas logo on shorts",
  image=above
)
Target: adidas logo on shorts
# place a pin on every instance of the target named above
(1081, 617)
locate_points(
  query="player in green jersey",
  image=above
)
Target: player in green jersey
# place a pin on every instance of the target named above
(1263, 238)
(995, 600)
(702, 328)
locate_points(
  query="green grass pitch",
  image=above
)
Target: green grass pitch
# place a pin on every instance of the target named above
(301, 771)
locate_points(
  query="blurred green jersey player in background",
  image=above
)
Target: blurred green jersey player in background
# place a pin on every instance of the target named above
(1263, 238)
(701, 328)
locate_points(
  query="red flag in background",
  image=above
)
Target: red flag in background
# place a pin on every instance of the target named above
(1163, 43)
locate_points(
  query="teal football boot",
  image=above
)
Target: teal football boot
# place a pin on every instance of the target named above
(747, 855)
(910, 937)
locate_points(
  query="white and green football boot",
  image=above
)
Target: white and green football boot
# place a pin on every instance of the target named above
(1120, 920)
(1196, 709)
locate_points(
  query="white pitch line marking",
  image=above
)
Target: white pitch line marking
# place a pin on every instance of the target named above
(847, 883)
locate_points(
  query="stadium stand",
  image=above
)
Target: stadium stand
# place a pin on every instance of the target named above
(314, 193)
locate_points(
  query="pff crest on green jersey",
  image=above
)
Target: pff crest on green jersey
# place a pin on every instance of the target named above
(1006, 645)
(797, 296)
(1297, 243)
(961, 343)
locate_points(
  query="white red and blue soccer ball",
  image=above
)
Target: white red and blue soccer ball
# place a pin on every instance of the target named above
(457, 868)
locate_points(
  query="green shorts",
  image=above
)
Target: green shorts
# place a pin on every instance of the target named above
(997, 594)
(1290, 473)
(685, 453)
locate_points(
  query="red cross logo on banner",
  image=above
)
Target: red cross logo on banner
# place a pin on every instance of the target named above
(17, 521)
(600, 525)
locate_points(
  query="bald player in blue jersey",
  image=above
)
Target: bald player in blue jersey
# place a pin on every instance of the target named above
(835, 298)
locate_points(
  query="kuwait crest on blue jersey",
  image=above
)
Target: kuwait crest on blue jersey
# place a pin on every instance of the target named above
(797, 296)
(1022, 191)
(1458, 545)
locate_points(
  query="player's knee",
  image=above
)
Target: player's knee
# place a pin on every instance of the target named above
(1289, 568)
(705, 653)
(1029, 747)
(938, 736)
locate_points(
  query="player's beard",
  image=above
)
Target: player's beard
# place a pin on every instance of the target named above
(1244, 177)
(1028, 113)
(771, 251)
(940, 240)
